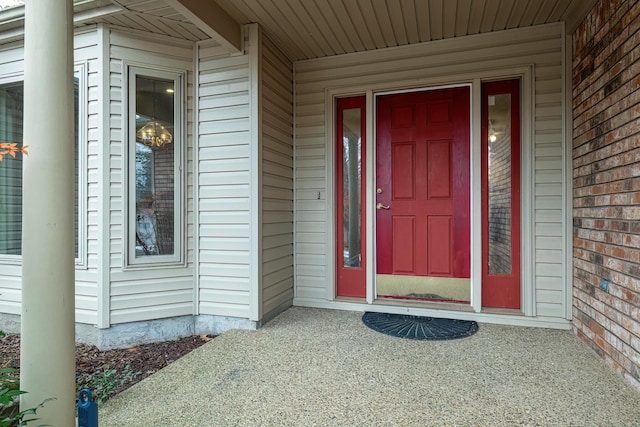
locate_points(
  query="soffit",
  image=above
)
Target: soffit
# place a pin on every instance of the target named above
(306, 29)
(150, 16)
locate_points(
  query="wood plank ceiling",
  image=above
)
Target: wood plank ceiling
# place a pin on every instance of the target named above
(307, 29)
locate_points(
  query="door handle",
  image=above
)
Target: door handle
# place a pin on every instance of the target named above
(381, 206)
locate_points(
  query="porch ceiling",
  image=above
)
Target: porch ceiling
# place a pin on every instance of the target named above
(307, 29)
(150, 16)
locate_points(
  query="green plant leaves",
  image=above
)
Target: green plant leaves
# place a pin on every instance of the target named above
(104, 381)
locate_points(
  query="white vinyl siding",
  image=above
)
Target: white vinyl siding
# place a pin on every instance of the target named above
(153, 292)
(10, 293)
(435, 63)
(277, 179)
(548, 169)
(224, 194)
(12, 59)
(86, 52)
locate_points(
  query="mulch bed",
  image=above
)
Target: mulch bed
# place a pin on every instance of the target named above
(145, 359)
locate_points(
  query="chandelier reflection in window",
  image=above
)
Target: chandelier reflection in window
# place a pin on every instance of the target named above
(154, 134)
(154, 111)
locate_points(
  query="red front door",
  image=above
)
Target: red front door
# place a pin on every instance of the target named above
(422, 180)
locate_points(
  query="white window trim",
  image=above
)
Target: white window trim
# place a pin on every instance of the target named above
(79, 71)
(4, 258)
(129, 190)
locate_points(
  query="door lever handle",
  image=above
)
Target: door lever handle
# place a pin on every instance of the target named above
(381, 206)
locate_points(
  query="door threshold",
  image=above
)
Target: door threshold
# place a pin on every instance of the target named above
(424, 304)
(507, 311)
(351, 299)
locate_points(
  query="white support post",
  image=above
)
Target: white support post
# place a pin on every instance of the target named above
(48, 328)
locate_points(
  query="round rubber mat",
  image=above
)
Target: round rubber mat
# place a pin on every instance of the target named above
(419, 327)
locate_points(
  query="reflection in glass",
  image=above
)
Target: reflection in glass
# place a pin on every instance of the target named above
(154, 166)
(11, 120)
(11, 127)
(351, 145)
(499, 177)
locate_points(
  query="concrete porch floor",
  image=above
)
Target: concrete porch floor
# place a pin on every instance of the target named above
(311, 367)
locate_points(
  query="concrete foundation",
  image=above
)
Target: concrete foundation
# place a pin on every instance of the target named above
(136, 333)
(215, 325)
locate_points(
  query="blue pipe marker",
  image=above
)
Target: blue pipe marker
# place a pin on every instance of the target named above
(87, 409)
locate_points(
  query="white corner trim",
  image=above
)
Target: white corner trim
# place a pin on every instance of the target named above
(103, 276)
(80, 70)
(255, 257)
(295, 198)
(567, 177)
(196, 178)
(330, 194)
(527, 185)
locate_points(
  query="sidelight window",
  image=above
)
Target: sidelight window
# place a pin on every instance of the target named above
(350, 150)
(501, 194)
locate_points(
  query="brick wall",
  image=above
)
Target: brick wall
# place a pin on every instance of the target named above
(606, 179)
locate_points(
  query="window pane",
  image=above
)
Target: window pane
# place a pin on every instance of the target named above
(11, 122)
(351, 155)
(154, 167)
(11, 116)
(499, 177)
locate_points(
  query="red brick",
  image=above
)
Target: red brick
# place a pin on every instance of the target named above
(599, 341)
(597, 329)
(606, 178)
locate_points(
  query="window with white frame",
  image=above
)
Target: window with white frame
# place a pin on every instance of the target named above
(155, 207)
(11, 129)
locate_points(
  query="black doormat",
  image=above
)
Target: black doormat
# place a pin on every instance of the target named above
(419, 327)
